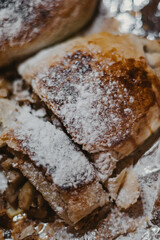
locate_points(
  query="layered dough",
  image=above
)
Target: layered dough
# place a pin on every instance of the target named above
(103, 90)
(51, 162)
(27, 26)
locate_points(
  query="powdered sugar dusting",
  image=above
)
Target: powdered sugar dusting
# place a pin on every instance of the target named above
(16, 21)
(94, 99)
(51, 148)
(18, 16)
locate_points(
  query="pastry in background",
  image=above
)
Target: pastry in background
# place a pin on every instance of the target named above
(28, 26)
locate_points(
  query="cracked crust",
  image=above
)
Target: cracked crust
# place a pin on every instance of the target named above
(52, 163)
(102, 89)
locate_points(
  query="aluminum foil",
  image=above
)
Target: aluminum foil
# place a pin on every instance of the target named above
(152, 233)
(140, 17)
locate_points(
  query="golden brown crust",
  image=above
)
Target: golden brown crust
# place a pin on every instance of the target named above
(101, 88)
(52, 163)
(27, 26)
(70, 204)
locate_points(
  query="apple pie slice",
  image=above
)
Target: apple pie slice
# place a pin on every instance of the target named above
(48, 158)
(103, 90)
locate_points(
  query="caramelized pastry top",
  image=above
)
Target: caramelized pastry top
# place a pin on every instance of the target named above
(98, 103)
(99, 86)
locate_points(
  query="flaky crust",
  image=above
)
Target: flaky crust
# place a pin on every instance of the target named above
(60, 172)
(27, 26)
(102, 89)
(72, 205)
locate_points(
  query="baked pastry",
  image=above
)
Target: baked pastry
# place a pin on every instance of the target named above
(27, 26)
(115, 224)
(51, 162)
(103, 90)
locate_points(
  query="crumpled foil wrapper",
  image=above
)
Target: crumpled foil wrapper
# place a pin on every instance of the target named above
(152, 233)
(147, 170)
(140, 17)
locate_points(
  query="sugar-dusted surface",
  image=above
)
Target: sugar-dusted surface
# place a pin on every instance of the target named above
(51, 148)
(97, 97)
(119, 223)
(17, 16)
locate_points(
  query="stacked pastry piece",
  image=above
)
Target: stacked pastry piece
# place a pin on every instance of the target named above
(102, 90)
(52, 163)
(106, 96)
